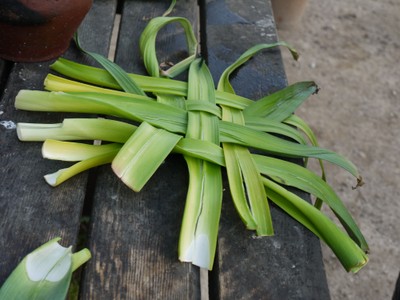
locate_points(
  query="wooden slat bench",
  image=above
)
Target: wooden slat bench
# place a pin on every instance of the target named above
(133, 237)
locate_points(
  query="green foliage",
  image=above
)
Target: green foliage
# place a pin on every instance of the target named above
(212, 128)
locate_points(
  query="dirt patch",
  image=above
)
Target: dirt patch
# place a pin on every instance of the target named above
(352, 50)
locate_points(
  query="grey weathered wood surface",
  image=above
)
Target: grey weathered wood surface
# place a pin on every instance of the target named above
(31, 211)
(396, 293)
(133, 237)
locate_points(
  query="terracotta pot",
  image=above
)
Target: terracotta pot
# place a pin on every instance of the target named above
(38, 30)
(288, 13)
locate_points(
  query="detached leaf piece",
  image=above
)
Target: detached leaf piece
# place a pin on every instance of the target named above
(44, 274)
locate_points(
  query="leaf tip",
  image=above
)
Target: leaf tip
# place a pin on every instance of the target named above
(360, 182)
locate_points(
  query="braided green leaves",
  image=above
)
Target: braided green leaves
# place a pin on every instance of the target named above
(212, 128)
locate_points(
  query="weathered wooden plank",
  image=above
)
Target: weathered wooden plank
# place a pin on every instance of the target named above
(396, 293)
(288, 265)
(134, 236)
(31, 211)
(96, 29)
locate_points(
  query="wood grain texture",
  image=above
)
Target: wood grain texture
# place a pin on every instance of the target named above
(134, 236)
(289, 264)
(31, 211)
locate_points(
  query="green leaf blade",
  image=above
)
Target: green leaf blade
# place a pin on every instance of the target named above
(142, 154)
(297, 176)
(347, 251)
